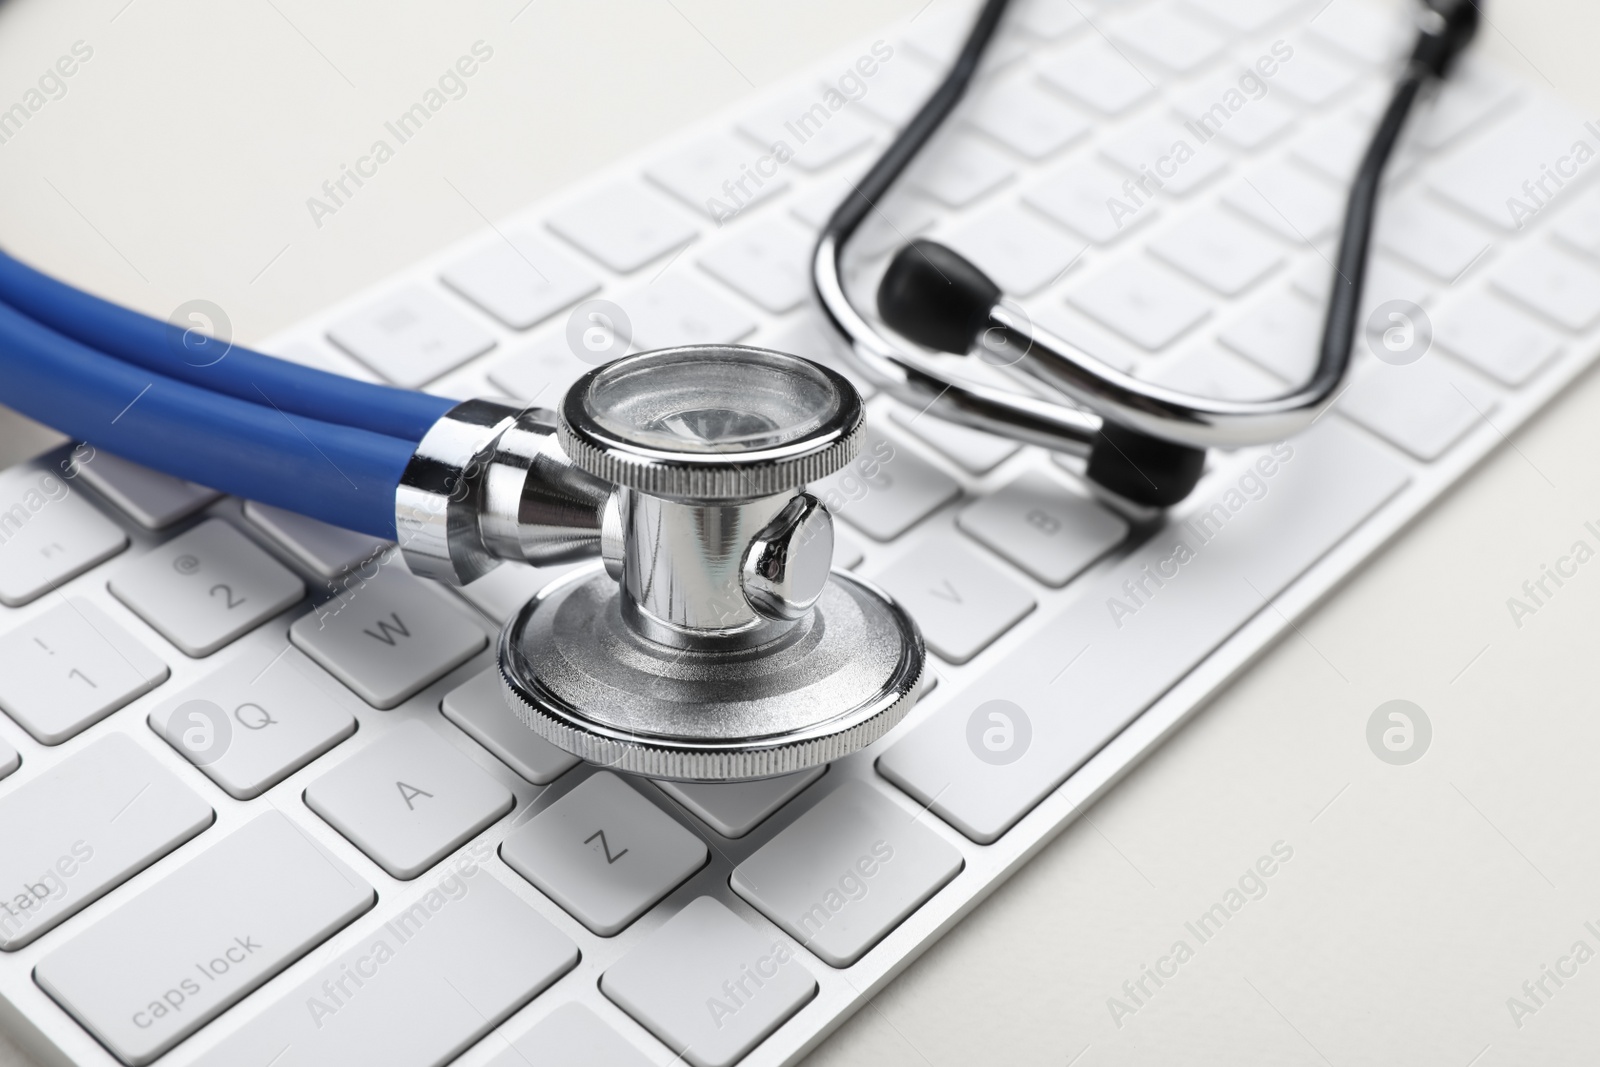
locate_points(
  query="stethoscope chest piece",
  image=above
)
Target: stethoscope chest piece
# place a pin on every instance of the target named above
(714, 642)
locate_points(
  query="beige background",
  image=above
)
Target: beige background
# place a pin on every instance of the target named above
(1415, 903)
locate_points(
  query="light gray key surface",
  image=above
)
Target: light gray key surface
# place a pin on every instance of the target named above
(389, 637)
(70, 667)
(10, 759)
(690, 984)
(206, 587)
(479, 708)
(604, 853)
(571, 1036)
(733, 809)
(152, 499)
(987, 755)
(326, 551)
(847, 872)
(83, 828)
(254, 722)
(961, 602)
(411, 336)
(974, 450)
(887, 489)
(446, 967)
(408, 799)
(186, 949)
(1043, 527)
(624, 226)
(520, 279)
(48, 534)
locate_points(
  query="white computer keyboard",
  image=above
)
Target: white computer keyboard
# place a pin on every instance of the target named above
(261, 804)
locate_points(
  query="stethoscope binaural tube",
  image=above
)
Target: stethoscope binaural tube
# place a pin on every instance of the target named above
(1143, 442)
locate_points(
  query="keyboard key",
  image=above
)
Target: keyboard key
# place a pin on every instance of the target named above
(1089, 670)
(479, 708)
(1496, 338)
(1217, 110)
(1289, 201)
(519, 279)
(624, 226)
(1415, 230)
(571, 1036)
(206, 587)
(1422, 407)
(847, 551)
(540, 373)
(388, 638)
(1472, 97)
(1313, 77)
(690, 984)
(197, 942)
(251, 724)
(1367, 32)
(408, 799)
(1167, 35)
(804, 124)
(150, 498)
(1486, 177)
(898, 90)
(1578, 226)
(1282, 334)
(48, 535)
(1214, 250)
(675, 310)
(1026, 119)
(718, 175)
(326, 551)
(83, 828)
(1166, 156)
(1554, 283)
(10, 760)
(1044, 528)
(455, 963)
(846, 873)
(733, 809)
(1143, 302)
(410, 337)
(1335, 146)
(1094, 73)
(1386, 280)
(1016, 248)
(1048, 19)
(64, 670)
(604, 853)
(1083, 197)
(1245, 16)
(769, 262)
(961, 170)
(887, 490)
(961, 603)
(974, 450)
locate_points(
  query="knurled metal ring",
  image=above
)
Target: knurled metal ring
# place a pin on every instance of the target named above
(710, 476)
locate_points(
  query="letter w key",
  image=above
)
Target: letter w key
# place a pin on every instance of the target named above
(601, 834)
(385, 633)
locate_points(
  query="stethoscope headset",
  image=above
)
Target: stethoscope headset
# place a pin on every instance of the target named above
(713, 640)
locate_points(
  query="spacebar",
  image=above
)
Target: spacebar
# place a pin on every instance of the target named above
(1137, 630)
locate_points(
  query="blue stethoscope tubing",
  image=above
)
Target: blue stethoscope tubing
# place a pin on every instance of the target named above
(265, 429)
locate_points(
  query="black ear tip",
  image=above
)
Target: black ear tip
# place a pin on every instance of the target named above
(1144, 469)
(933, 296)
(1439, 47)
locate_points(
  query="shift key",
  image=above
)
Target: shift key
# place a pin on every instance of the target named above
(83, 828)
(175, 957)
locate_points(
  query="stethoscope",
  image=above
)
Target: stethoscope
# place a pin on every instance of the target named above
(712, 641)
